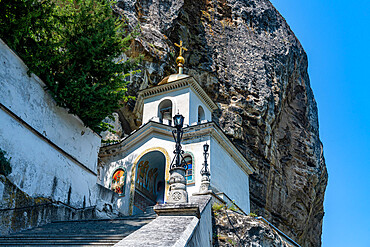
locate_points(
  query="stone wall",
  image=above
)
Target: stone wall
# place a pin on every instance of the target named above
(53, 155)
(19, 211)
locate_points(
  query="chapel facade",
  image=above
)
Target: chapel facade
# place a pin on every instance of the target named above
(138, 167)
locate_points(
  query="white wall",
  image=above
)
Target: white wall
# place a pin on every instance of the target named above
(228, 177)
(202, 235)
(179, 98)
(196, 148)
(185, 101)
(39, 168)
(195, 101)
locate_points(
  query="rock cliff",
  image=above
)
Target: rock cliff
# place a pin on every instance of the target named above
(233, 229)
(249, 61)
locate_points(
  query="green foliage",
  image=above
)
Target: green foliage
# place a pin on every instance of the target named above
(5, 168)
(252, 214)
(232, 207)
(231, 241)
(74, 47)
(217, 207)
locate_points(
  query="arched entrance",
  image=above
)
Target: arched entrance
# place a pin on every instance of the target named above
(149, 181)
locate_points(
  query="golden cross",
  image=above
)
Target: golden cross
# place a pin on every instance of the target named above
(181, 47)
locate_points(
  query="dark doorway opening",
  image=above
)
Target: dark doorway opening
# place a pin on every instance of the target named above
(150, 181)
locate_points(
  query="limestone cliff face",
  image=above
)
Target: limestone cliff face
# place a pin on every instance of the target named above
(249, 61)
(234, 229)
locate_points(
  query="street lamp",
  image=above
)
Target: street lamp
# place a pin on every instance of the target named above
(177, 191)
(205, 181)
(205, 170)
(178, 120)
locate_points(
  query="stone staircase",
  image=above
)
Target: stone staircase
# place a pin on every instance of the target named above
(78, 233)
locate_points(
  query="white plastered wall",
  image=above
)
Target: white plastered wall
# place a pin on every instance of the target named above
(38, 168)
(185, 101)
(196, 149)
(228, 177)
(195, 102)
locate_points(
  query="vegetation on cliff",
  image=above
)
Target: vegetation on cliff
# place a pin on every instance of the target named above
(5, 168)
(75, 48)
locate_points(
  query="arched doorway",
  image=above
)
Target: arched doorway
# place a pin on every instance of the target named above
(149, 181)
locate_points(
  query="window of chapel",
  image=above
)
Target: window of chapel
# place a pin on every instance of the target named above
(189, 173)
(201, 115)
(165, 111)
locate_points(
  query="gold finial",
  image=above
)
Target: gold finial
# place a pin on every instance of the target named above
(180, 60)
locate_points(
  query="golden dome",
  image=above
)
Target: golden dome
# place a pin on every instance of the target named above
(180, 59)
(164, 81)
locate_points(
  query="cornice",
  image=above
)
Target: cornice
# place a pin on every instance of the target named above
(176, 85)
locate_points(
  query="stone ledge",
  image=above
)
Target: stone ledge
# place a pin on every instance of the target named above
(181, 209)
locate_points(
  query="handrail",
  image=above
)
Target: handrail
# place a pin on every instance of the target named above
(275, 228)
(45, 204)
(218, 197)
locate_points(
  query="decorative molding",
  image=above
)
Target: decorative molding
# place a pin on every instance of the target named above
(198, 131)
(176, 85)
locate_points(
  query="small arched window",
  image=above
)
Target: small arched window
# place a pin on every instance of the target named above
(165, 111)
(119, 181)
(189, 173)
(201, 115)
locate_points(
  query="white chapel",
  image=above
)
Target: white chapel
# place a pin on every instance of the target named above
(138, 167)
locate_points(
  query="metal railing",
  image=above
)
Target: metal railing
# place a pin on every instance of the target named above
(46, 204)
(276, 229)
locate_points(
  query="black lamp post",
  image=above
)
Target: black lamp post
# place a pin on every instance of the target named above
(205, 170)
(178, 120)
(177, 191)
(205, 181)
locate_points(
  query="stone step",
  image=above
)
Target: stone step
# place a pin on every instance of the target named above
(149, 210)
(59, 241)
(77, 237)
(58, 244)
(78, 233)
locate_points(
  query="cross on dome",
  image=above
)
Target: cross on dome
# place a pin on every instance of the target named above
(180, 60)
(181, 47)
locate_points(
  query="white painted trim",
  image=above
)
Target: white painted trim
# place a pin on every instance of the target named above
(177, 85)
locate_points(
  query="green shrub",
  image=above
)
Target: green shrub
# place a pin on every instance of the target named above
(217, 206)
(5, 168)
(252, 214)
(232, 207)
(74, 46)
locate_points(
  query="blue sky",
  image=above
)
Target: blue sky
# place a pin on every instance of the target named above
(336, 38)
